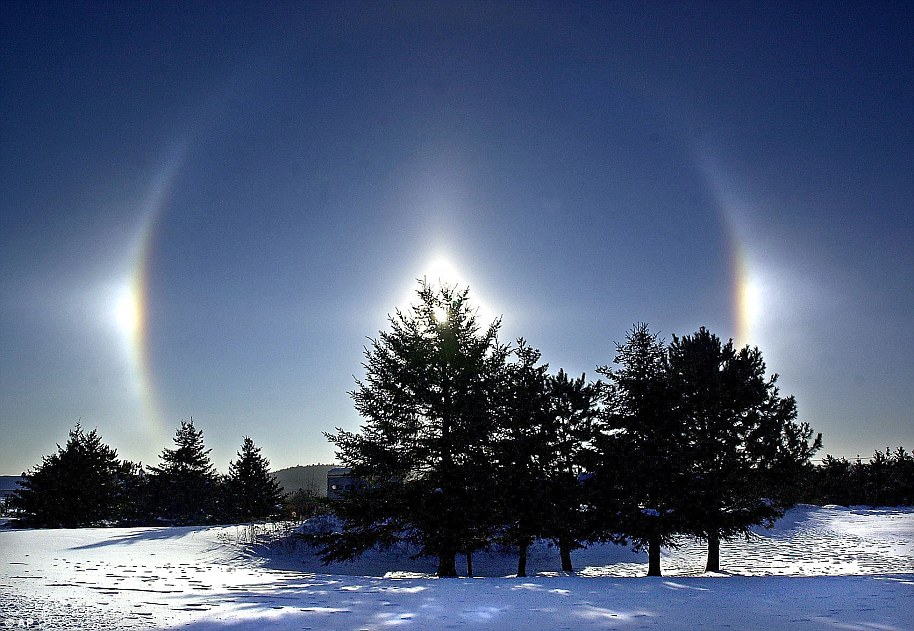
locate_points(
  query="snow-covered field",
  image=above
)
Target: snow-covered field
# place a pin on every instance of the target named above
(819, 568)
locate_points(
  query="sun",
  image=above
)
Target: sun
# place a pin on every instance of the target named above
(438, 271)
(126, 312)
(441, 271)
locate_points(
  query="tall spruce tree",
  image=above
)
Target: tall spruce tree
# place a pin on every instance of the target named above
(902, 478)
(523, 451)
(572, 406)
(424, 450)
(185, 485)
(639, 473)
(80, 485)
(253, 492)
(742, 440)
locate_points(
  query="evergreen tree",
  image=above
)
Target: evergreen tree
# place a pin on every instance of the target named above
(82, 484)
(253, 491)
(780, 450)
(834, 482)
(886, 479)
(571, 410)
(744, 447)
(523, 451)
(185, 485)
(639, 462)
(424, 450)
(902, 478)
(133, 500)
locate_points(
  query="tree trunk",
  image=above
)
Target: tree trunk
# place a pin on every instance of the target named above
(713, 553)
(522, 559)
(447, 565)
(469, 563)
(565, 553)
(653, 556)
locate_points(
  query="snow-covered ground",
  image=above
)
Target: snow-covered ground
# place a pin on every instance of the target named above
(819, 568)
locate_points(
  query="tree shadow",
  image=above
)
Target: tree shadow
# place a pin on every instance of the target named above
(145, 534)
(363, 603)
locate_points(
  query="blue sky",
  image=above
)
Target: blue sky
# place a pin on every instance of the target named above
(207, 207)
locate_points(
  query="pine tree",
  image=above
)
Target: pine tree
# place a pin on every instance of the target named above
(902, 478)
(523, 451)
(743, 444)
(424, 450)
(82, 484)
(134, 499)
(185, 484)
(639, 471)
(254, 493)
(779, 450)
(887, 478)
(879, 479)
(833, 482)
(571, 409)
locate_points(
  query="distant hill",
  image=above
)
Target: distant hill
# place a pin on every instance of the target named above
(312, 477)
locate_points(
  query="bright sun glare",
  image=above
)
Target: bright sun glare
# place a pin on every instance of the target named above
(441, 271)
(444, 270)
(126, 311)
(437, 271)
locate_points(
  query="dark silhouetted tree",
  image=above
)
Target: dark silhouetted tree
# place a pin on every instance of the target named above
(572, 405)
(424, 450)
(780, 450)
(523, 451)
(134, 499)
(834, 481)
(878, 478)
(185, 486)
(253, 492)
(886, 479)
(746, 453)
(901, 485)
(639, 467)
(82, 484)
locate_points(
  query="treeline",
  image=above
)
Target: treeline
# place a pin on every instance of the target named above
(886, 480)
(85, 484)
(468, 442)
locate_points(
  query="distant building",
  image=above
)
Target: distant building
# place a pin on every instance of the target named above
(339, 481)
